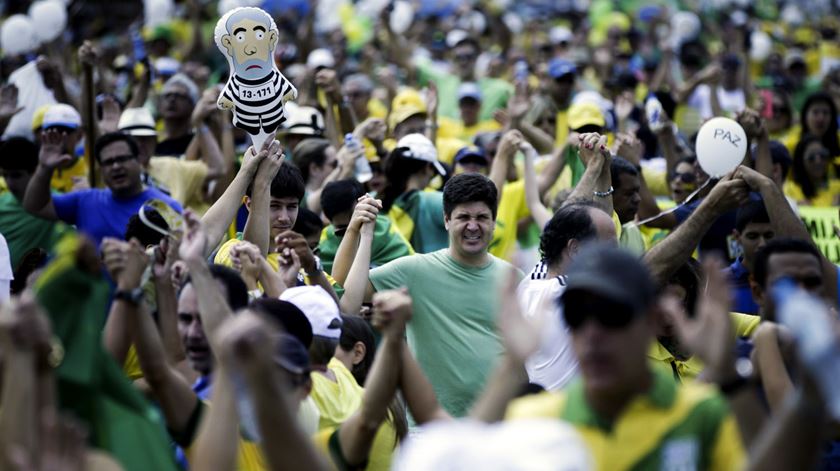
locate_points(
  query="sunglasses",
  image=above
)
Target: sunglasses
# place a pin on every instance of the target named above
(120, 159)
(821, 155)
(687, 177)
(578, 310)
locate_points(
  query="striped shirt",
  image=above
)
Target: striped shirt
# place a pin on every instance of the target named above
(258, 104)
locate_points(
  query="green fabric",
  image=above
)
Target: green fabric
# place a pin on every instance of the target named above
(388, 245)
(575, 164)
(23, 231)
(453, 330)
(425, 208)
(494, 92)
(90, 385)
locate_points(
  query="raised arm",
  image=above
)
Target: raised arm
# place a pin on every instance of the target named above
(351, 302)
(217, 442)
(167, 301)
(510, 143)
(295, 242)
(258, 227)
(631, 148)
(208, 148)
(391, 311)
(116, 337)
(8, 105)
(366, 208)
(217, 219)
(666, 257)
(596, 178)
(37, 199)
(539, 212)
(518, 107)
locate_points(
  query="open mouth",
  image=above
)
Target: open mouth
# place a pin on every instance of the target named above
(253, 67)
(472, 238)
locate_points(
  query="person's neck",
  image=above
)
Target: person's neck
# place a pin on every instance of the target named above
(471, 122)
(128, 193)
(176, 127)
(416, 182)
(609, 405)
(326, 372)
(475, 261)
(557, 269)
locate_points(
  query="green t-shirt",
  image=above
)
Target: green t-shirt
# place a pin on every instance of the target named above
(388, 245)
(23, 231)
(418, 215)
(453, 331)
(494, 92)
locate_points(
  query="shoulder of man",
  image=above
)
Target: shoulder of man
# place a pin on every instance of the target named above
(538, 406)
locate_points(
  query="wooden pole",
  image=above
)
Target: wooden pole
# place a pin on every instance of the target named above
(89, 113)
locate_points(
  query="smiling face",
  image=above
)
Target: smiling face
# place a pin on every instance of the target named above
(470, 229)
(250, 43)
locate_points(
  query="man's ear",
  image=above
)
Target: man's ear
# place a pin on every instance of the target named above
(359, 352)
(227, 44)
(272, 40)
(446, 221)
(572, 246)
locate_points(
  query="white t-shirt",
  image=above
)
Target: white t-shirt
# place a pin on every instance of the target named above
(6, 274)
(731, 102)
(554, 364)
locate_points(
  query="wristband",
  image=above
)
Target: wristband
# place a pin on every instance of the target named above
(604, 194)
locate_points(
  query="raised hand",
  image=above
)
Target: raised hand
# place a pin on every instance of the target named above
(252, 159)
(373, 129)
(110, 115)
(165, 256)
(366, 210)
(247, 259)
(392, 310)
(510, 142)
(296, 242)
(752, 122)
(9, 102)
(289, 267)
(593, 149)
(327, 80)
(24, 326)
(87, 54)
(272, 162)
(729, 193)
(125, 261)
(53, 154)
(432, 99)
(194, 241)
(630, 148)
(519, 103)
(205, 107)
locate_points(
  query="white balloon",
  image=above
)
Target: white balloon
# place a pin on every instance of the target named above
(760, 46)
(49, 18)
(401, 17)
(792, 15)
(17, 35)
(228, 5)
(721, 146)
(158, 12)
(685, 25)
(328, 19)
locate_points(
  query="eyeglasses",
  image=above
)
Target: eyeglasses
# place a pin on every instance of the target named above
(120, 159)
(608, 314)
(822, 155)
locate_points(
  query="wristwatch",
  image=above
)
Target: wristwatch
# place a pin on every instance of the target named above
(318, 267)
(134, 296)
(743, 377)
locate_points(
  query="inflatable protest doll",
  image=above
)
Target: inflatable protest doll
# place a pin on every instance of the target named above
(256, 91)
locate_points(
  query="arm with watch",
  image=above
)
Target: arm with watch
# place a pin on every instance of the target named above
(309, 262)
(595, 184)
(127, 272)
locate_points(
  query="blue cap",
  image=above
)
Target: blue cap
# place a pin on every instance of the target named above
(559, 67)
(473, 153)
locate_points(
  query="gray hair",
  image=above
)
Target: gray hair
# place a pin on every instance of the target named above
(186, 82)
(361, 80)
(223, 25)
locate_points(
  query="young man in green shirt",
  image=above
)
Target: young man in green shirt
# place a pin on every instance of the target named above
(453, 331)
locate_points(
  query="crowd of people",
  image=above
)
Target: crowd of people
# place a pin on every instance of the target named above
(479, 238)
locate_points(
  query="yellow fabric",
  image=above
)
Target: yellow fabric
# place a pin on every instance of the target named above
(131, 365)
(825, 196)
(338, 400)
(452, 128)
(446, 147)
(62, 179)
(223, 258)
(657, 182)
(184, 179)
(561, 128)
(249, 455)
(512, 208)
(381, 452)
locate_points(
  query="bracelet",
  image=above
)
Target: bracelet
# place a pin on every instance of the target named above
(604, 194)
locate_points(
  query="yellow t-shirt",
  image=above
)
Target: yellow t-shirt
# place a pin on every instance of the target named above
(184, 179)
(453, 128)
(62, 179)
(512, 208)
(131, 366)
(381, 452)
(824, 198)
(250, 457)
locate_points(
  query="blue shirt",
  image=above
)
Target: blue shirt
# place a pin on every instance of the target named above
(739, 279)
(98, 213)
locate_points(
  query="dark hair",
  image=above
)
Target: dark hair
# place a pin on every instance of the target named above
(308, 152)
(285, 315)
(143, 233)
(620, 166)
(237, 292)
(355, 329)
(18, 153)
(107, 139)
(340, 196)
(322, 350)
(693, 54)
(688, 276)
(753, 211)
(288, 183)
(398, 169)
(778, 246)
(829, 139)
(669, 105)
(468, 41)
(779, 154)
(308, 223)
(571, 221)
(800, 176)
(470, 188)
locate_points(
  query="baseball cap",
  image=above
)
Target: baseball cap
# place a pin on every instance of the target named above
(560, 34)
(303, 120)
(320, 58)
(406, 104)
(61, 114)
(421, 148)
(611, 272)
(560, 67)
(794, 57)
(472, 154)
(318, 307)
(287, 315)
(38, 117)
(137, 122)
(585, 114)
(454, 37)
(167, 66)
(291, 355)
(469, 90)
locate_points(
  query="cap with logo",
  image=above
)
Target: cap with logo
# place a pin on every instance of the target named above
(318, 307)
(421, 148)
(62, 115)
(137, 122)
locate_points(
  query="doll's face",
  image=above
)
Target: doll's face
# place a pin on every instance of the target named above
(250, 44)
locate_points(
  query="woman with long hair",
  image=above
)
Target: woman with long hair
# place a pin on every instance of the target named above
(818, 118)
(812, 182)
(418, 214)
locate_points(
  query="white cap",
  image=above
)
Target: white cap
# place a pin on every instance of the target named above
(456, 36)
(318, 307)
(303, 120)
(320, 58)
(137, 122)
(167, 66)
(560, 34)
(62, 115)
(469, 90)
(422, 149)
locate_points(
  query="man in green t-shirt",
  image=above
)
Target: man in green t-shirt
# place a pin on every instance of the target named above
(453, 333)
(23, 231)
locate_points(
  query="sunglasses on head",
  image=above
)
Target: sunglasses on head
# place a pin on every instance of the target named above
(578, 310)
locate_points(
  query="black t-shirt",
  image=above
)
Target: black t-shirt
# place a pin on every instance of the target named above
(175, 147)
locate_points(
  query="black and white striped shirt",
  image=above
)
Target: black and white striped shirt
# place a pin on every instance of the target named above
(258, 104)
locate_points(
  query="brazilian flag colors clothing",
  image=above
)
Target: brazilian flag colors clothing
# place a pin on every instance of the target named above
(418, 215)
(388, 244)
(670, 427)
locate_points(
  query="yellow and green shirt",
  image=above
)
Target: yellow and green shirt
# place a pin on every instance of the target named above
(670, 427)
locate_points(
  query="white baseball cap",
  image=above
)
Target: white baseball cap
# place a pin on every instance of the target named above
(303, 120)
(421, 148)
(61, 114)
(318, 307)
(137, 122)
(320, 58)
